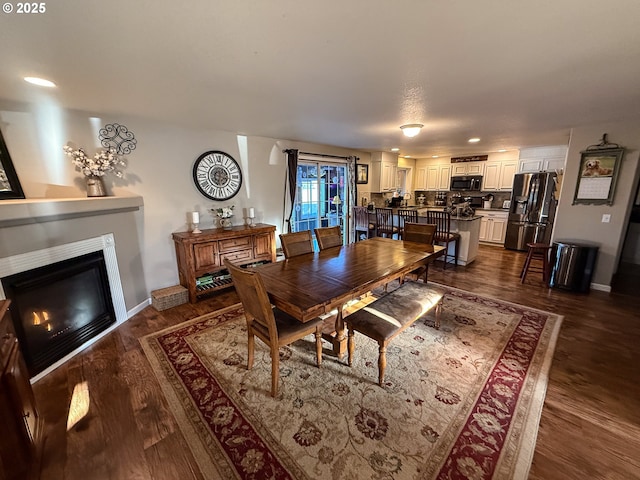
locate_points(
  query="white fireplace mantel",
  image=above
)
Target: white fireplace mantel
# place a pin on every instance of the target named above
(38, 210)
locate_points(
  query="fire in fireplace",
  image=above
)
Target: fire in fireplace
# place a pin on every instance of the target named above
(58, 307)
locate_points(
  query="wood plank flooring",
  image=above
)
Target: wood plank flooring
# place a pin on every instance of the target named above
(590, 425)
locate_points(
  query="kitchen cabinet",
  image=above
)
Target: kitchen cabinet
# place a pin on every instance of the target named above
(493, 226)
(467, 168)
(432, 176)
(201, 255)
(542, 159)
(22, 426)
(384, 172)
(498, 176)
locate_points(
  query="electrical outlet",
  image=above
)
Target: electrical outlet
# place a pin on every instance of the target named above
(606, 217)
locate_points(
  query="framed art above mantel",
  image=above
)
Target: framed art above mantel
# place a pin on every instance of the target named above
(9, 184)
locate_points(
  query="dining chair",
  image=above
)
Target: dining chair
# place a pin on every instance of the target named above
(384, 223)
(404, 216)
(363, 226)
(444, 235)
(328, 237)
(420, 233)
(296, 243)
(271, 325)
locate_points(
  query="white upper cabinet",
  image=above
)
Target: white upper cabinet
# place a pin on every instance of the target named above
(467, 168)
(542, 159)
(384, 172)
(433, 175)
(498, 176)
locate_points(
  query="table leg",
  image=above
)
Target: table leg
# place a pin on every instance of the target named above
(337, 335)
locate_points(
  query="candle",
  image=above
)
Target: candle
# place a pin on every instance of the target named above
(252, 213)
(195, 217)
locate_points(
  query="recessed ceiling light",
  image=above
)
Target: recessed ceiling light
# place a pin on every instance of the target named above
(395, 149)
(474, 140)
(41, 82)
(434, 156)
(411, 129)
(502, 150)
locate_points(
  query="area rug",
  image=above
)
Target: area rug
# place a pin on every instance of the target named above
(463, 401)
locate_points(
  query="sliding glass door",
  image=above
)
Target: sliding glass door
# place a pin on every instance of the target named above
(321, 197)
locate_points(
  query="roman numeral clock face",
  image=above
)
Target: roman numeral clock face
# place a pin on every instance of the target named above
(217, 175)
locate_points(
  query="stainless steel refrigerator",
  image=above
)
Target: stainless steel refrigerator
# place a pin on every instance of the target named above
(532, 210)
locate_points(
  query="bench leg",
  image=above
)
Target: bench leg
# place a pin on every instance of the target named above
(351, 346)
(382, 363)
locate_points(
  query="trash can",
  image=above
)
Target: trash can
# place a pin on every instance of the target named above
(572, 265)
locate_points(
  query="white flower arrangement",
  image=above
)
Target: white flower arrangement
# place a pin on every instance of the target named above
(224, 212)
(100, 164)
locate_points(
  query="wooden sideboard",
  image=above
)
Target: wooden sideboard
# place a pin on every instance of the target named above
(22, 427)
(200, 255)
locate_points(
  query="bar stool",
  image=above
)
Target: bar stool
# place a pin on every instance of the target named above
(538, 252)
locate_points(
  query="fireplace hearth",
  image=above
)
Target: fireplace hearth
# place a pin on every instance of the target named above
(58, 307)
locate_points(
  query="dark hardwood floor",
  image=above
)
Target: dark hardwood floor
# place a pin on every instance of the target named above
(590, 425)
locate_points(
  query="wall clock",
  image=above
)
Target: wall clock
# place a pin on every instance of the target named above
(217, 175)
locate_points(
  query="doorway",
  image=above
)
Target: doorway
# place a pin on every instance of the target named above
(627, 275)
(322, 197)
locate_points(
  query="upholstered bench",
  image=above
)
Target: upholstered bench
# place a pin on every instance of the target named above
(383, 319)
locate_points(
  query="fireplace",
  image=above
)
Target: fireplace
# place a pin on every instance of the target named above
(57, 307)
(63, 299)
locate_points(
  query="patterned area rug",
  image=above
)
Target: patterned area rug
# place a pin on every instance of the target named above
(460, 402)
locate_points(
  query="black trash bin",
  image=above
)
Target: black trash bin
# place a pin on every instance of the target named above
(572, 265)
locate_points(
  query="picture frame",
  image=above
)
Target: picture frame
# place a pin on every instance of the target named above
(599, 169)
(10, 187)
(362, 173)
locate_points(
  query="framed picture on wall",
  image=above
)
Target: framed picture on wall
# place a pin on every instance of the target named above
(362, 173)
(9, 184)
(597, 177)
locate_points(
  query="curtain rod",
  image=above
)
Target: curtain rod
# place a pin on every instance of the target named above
(322, 155)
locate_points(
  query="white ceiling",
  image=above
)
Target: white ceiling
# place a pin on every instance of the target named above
(347, 73)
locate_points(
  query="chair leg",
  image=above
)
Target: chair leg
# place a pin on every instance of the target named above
(437, 315)
(457, 250)
(275, 371)
(318, 335)
(525, 267)
(251, 346)
(351, 346)
(446, 255)
(382, 363)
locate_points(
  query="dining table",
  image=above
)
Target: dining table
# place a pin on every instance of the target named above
(315, 284)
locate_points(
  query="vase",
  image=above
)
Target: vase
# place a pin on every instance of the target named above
(226, 223)
(95, 187)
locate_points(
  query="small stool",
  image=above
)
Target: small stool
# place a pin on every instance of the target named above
(537, 251)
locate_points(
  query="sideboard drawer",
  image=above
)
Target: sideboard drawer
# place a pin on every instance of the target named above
(231, 244)
(238, 256)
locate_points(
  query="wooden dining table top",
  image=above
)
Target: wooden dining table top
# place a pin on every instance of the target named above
(313, 284)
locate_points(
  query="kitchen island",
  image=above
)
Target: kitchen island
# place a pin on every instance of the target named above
(467, 227)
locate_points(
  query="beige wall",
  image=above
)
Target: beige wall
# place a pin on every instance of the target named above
(159, 170)
(584, 222)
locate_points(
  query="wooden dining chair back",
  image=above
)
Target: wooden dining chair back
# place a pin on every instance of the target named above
(363, 227)
(419, 233)
(328, 237)
(404, 216)
(384, 223)
(296, 243)
(444, 235)
(274, 327)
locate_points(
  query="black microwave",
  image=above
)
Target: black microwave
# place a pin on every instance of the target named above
(466, 184)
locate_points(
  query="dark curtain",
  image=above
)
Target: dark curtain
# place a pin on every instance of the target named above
(352, 201)
(290, 188)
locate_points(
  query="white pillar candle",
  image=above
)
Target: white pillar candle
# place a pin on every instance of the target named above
(252, 213)
(195, 217)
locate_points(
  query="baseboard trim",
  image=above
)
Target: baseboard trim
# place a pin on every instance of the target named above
(138, 308)
(600, 287)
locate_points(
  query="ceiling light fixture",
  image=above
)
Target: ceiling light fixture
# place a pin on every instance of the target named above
(395, 149)
(411, 129)
(41, 82)
(474, 140)
(502, 150)
(434, 156)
